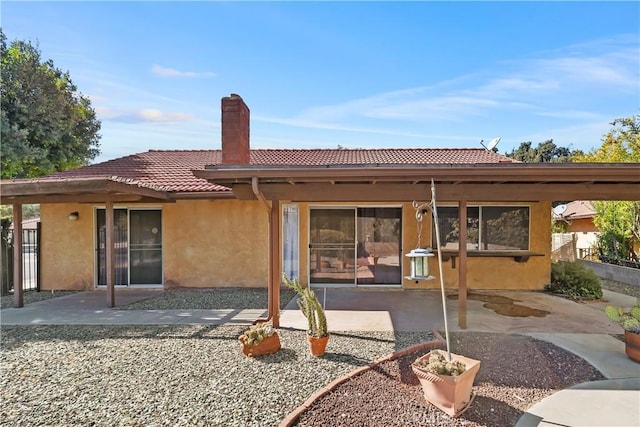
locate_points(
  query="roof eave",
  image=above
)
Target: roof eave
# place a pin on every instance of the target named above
(78, 189)
(512, 172)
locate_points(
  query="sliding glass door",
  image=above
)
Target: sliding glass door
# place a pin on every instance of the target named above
(379, 254)
(332, 246)
(145, 247)
(137, 240)
(355, 246)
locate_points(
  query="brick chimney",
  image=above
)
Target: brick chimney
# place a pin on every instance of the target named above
(235, 131)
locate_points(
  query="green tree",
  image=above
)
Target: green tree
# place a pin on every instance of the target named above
(620, 145)
(618, 221)
(545, 152)
(46, 124)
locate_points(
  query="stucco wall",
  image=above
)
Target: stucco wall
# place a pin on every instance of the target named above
(205, 244)
(67, 249)
(215, 243)
(225, 243)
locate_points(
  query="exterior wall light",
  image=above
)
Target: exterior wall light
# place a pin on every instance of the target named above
(419, 259)
(73, 216)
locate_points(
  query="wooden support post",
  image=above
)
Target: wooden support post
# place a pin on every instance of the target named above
(18, 293)
(275, 270)
(462, 266)
(109, 255)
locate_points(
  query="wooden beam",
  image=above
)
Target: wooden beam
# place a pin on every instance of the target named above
(275, 269)
(48, 187)
(244, 192)
(132, 188)
(75, 198)
(523, 192)
(399, 192)
(18, 292)
(109, 255)
(508, 172)
(462, 267)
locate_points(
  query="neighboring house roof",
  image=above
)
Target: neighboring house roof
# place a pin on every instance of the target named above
(172, 170)
(577, 209)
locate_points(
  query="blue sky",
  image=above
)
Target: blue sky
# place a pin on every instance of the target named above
(356, 75)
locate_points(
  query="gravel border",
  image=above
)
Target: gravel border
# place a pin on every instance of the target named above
(621, 288)
(515, 372)
(215, 298)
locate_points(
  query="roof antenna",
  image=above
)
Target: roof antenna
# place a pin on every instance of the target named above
(492, 144)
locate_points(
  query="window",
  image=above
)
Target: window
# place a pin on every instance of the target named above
(489, 228)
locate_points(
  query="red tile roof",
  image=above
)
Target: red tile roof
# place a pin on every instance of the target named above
(171, 169)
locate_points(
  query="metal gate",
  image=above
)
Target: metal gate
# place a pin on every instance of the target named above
(30, 259)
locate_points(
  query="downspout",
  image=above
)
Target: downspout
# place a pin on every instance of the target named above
(259, 195)
(270, 282)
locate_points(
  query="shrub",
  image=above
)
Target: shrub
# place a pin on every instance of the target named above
(574, 280)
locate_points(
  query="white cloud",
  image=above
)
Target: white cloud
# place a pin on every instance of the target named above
(147, 115)
(568, 83)
(157, 116)
(172, 72)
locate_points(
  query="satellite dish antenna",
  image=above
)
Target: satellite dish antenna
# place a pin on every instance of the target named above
(559, 210)
(492, 144)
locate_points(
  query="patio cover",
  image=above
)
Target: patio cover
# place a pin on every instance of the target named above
(506, 182)
(107, 190)
(336, 183)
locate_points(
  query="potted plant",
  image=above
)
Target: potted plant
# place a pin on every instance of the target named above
(630, 322)
(259, 340)
(446, 378)
(317, 333)
(446, 384)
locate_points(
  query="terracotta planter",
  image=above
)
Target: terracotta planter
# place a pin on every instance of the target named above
(266, 346)
(317, 345)
(451, 394)
(632, 345)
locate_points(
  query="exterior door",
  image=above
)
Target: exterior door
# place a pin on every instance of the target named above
(379, 246)
(138, 247)
(145, 247)
(332, 246)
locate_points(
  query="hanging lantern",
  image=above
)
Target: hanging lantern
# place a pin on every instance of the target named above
(419, 259)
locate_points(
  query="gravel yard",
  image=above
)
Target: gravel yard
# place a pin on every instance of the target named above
(168, 375)
(189, 375)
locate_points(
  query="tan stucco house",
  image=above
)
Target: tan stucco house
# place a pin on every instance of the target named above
(332, 217)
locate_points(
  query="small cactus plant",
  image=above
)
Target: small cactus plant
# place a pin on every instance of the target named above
(310, 307)
(438, 364)
(257, 333)
(629, 320)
